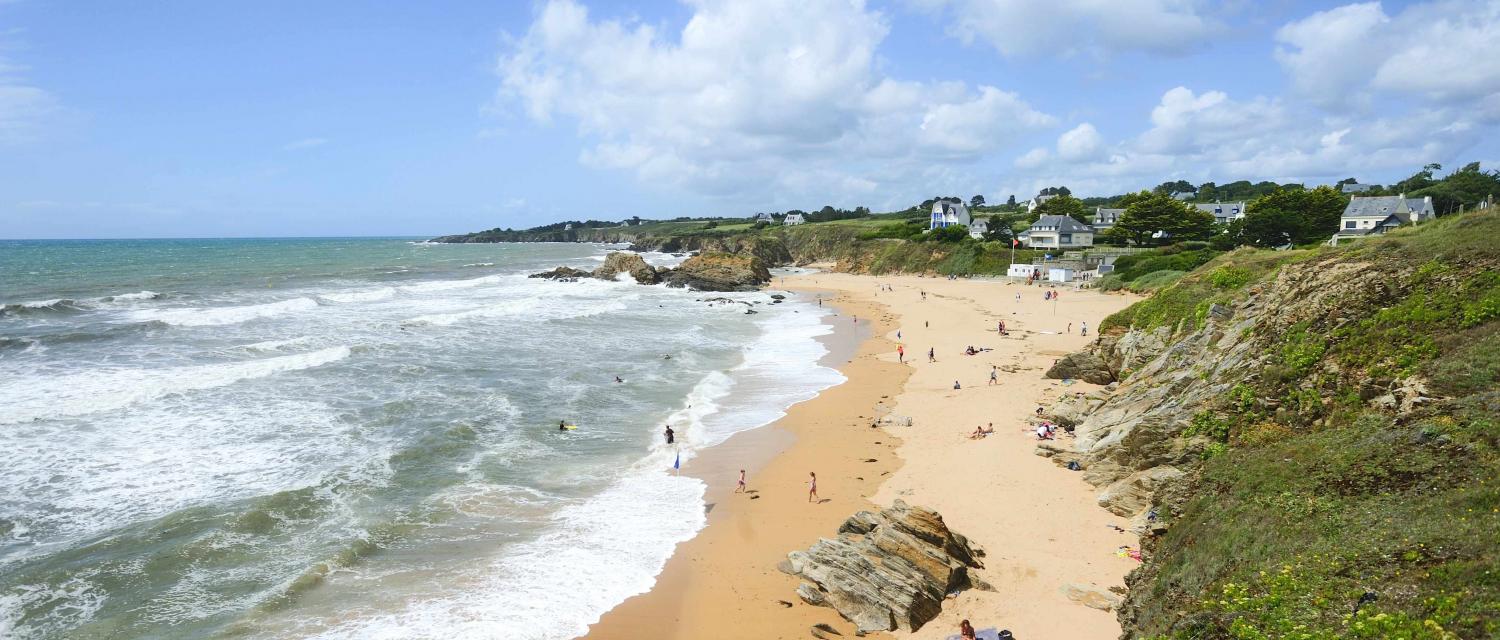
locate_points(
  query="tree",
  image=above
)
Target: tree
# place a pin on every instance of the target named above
(976, 201)
(1178, 186)
(952, 233)
(1291, 216)
(1011, 201)
(1056, 191)
(1062, 205)
(999, 231)
(1147, 214)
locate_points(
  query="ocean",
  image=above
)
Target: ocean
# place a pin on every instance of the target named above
(357, 438)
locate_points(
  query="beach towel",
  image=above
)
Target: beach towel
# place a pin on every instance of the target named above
(991, 633)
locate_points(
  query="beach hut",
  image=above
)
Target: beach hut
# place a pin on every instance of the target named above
(1019, 271)
(1060, 275)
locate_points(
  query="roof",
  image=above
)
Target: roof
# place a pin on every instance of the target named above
(1355, 187)
(1372, 206)
(1107, 216)
(1059, 223)
(1233, 208)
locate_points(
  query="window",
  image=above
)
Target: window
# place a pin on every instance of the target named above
(1066, 238)
(1349, 224)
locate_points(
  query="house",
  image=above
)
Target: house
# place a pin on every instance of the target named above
(1374, 215)
(1104, 219)
(1033, 203)
(946, 214)
(568, 227)
(764, 217)
(792, 218)
(979, 228)
(1355, 187)
(1223, 212)
(1059, 232)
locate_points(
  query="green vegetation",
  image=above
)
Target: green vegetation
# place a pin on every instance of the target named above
(1295, 217)
(1152, 219)
(1186, 302)
(1319, 512)
(1060, 205)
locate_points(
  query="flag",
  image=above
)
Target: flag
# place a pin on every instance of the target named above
(898, 334)
(1015, 242)
(677, 464)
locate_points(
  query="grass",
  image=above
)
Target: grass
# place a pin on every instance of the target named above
(1310, 497)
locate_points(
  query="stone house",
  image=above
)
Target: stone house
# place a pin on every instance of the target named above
(1059, 232)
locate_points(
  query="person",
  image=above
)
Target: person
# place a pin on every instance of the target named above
(966, 630)
(741, 487)
(669, 434)
(617, 379)
(1044, 431)
(1018, 297)
(1084, 329)
(926, 324)
(1002, 327)
(970, 350)
(1070, 327)
(562, 425)
(1039, 409)
(994, 375)
(955, 385)
(931, 356)
(980, 432)
(812, 486)
(901, 353)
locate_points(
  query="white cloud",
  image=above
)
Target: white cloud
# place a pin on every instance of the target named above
(1212, 136)
(1355, 55)
(1020, 27)
(1080, 143)
(24, 108)
(777, 96)
(305, 143)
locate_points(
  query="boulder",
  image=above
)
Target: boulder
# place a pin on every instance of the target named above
(887, 570)
(1083, 366)
(561, 273)
(719, 272)
(1132, 494)
(618, 262)
(1070, 410)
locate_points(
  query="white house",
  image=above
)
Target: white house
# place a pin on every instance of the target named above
(1059, 232)
(978, 228)
(1374, 215)
(568, 227)
(1033, 203)
(946, 214)
(792, 218)
(1223, 212)
(1106, 218)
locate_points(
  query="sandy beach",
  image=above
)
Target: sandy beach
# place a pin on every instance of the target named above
(1039, 524)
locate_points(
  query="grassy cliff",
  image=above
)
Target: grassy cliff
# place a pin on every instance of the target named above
(1335, 418)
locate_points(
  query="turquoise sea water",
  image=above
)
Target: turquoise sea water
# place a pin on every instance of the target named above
(356, 438)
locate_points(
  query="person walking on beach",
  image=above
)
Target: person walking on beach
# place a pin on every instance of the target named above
(994, 375)
(812, 486)
(901, 354)
(1070, 327)
(669, 434)
(1018, 297)
(1085, 330)
(741, 487)
(931, 355)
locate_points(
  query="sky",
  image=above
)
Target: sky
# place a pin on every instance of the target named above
(206, 119)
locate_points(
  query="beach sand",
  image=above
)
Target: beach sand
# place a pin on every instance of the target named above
(1039, 524)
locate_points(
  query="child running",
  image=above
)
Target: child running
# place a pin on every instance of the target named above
(741, 487)
(812, 487)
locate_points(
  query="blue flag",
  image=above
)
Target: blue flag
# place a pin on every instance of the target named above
(677, 464)
(898, 334)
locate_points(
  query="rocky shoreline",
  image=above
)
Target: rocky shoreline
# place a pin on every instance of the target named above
(702, 272)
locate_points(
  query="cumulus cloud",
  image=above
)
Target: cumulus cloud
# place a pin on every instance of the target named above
(1080, 143)
(1020, 27)
(24, 108)
(780, 95)
(1213, 136)
(1351, 56)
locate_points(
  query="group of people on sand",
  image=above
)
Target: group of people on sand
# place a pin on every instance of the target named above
(966, 632)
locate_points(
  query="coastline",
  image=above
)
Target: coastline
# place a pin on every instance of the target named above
(1040, 525)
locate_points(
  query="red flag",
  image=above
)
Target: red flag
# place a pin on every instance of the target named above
(1015, 242)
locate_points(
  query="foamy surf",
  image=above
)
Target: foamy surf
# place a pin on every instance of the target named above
(217, 316)
(102, 390)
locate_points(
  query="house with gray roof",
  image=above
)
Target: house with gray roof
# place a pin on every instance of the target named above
(946, 214)
(764, 217)
(1059, 232)
(1374, 215)
(979, 227)
(1033, 203)
(1104, 219)
(1223, 212)
(1355, 187)
(792, 219)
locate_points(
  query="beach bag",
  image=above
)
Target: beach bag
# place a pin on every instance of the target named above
(1074, 466)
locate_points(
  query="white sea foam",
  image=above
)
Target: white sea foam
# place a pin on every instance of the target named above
(34, 398)
(533, 308)
(277, 345)
(216, 316)
(446, 285)
(129, 297)
(365, 295)
(591, 557)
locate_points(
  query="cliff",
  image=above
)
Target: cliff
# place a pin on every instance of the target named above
(1307, 440)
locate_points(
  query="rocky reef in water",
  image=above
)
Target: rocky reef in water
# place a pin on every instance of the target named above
(887, 570)
(702, 272)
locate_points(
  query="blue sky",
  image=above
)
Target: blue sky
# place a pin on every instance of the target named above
(289, 118)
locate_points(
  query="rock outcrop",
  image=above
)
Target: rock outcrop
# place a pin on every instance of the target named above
(618, 262)
(1083, 366)
(562, 273)
(887, 570)
(719, 272)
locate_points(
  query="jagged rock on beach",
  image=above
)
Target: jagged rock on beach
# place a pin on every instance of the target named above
(1083, 366)
(886, 570)
(562, 273)
(719, 272)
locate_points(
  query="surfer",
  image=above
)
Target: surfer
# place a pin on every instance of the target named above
(618, 380)
(562, 425)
